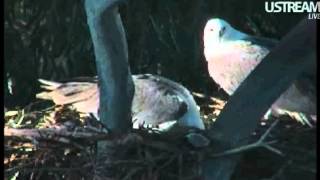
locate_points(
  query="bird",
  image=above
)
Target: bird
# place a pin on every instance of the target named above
(158, 102)
(231, 55)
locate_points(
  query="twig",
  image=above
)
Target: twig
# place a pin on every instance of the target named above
(213, 99)
(259, 143)
(60, 133)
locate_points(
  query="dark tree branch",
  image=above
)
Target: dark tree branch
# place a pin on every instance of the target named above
(294, 54)
(115, 83)
(111, 52)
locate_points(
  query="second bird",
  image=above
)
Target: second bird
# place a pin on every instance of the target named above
(231, 56)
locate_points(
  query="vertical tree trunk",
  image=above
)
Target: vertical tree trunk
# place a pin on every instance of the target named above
(115, 82)
(111, 53)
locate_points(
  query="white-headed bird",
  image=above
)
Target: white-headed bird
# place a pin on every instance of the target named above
(231, 56)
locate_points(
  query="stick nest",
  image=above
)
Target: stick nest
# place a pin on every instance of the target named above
(59, 143)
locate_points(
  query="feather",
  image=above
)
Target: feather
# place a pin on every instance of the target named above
(157, 100)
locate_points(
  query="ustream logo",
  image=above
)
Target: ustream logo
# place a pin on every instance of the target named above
(313, 8)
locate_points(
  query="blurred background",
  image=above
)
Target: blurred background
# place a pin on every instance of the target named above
(50, 39)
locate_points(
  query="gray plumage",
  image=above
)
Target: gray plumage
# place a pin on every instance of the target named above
(156, 100)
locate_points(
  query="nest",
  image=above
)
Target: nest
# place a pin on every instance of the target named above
(61, 144)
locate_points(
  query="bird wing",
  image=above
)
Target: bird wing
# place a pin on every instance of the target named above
(267, 43)
(82, 95)
(301, 96)
(156, 101)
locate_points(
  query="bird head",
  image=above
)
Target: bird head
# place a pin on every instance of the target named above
(218, 31)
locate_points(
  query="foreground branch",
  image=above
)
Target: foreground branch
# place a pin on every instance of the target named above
(63, 134)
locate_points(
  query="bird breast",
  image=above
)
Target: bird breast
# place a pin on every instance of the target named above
(230, 63)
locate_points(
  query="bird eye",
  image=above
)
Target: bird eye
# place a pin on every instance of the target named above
(211, 29)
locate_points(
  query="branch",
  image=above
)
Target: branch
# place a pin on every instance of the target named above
(260, 143)
(111, 52)
(59, 134)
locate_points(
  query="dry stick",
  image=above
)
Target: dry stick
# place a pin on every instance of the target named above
(259, 143)
(47, 109)
(214, 99)
(46, 134)
(59, 134)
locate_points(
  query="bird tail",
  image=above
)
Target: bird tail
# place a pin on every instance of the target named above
(47, 86)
